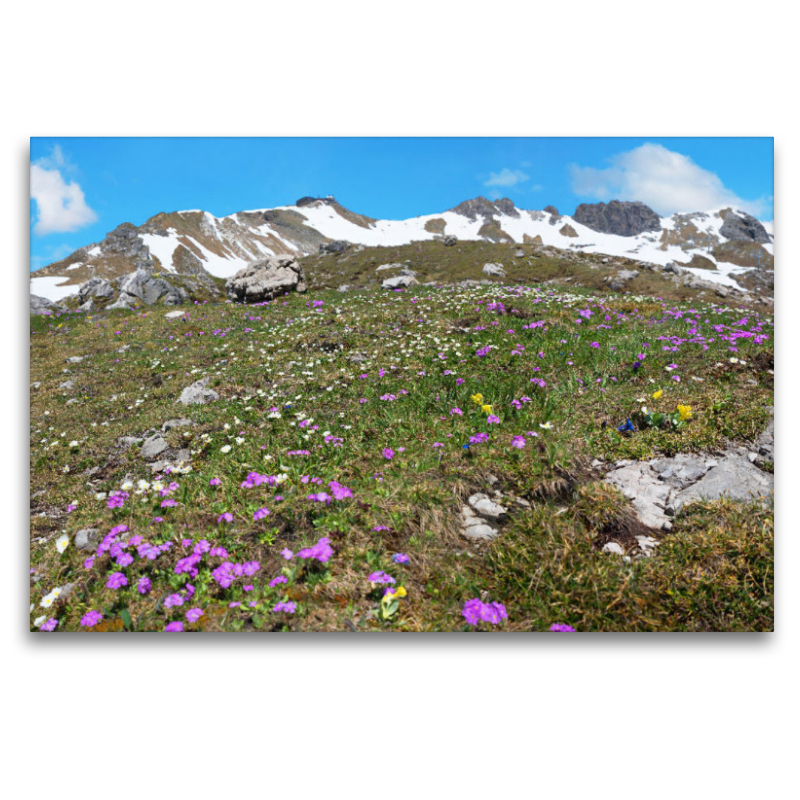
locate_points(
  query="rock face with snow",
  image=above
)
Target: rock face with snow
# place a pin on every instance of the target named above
(741, 227)
(267, 279)
(619, 218)
(198, 247)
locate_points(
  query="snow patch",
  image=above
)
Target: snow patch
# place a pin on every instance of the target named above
(52, 287)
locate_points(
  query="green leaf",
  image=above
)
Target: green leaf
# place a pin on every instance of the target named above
(126, 619)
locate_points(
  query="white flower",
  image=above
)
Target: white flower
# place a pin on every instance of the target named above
(274, 415)
(143, 485)
(39, 621)
(225, 448)
(239, 440)
(546, 425)
(62, 543)
(50, 598)
(100, 496)
(127, 486)
(73, 443)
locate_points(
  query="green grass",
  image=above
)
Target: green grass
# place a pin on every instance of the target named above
(307, 361)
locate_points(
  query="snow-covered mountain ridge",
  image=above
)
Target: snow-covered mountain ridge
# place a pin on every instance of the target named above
(718, 245)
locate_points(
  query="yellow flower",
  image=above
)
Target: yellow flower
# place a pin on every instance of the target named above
(486, 409)
(658, 394)
(685, 412)
(477, 399)
(399, 592)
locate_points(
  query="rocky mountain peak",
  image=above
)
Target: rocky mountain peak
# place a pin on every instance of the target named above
(481, 207)
(618, 217)
(741, 227)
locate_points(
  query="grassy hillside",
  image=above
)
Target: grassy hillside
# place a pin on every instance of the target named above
(355, 417)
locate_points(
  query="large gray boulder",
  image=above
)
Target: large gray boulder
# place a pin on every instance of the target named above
(620, 218)
(399, 282)
(95, 287)
(41, 305)
(145, 287)
(267, 279)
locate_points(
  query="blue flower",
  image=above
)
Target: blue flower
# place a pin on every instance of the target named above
(627, 426)
(637, 364)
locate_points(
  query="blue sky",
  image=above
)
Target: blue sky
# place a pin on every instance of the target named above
(81, 188)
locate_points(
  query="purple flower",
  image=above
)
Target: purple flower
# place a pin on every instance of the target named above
(124, 560)
(116, 580)
(472, 611)
(91, 619)
(320, 497)
(275, 581)
(194, 614)
(388, 453)
(456, 412)
(400, 558)
(518, 442)
(321, 551)
(560, 627)
(174, 627)
(50, 625)
(173, 600)
(340, 492)
(380, 577)
(260, 514)
(89, 563)
(143, 587)
(214, 482)
(492, 419)
(226, 517)
(289, 607)
(234, 605)
(475, 611)
(287, 554)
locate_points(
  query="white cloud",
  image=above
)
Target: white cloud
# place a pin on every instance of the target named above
(60, 204)
(666, 181)
(506, 177)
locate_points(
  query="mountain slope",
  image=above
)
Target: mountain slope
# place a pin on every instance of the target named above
(718, 245)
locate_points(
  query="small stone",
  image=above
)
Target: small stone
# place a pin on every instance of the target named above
(129, 441)
(182, 422)
(67, 385)
(153, 447)
(752, 457)
(86, 538)
(486, 507)
(198, 394)
(75, 359)
(36, 384)
(174, 314)
(613, 547)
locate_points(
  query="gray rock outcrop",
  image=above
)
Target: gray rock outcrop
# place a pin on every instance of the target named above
(41, 305)
(741, 227)
(620, 218)
(267, 279)
(95, 287)
(145, 287)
